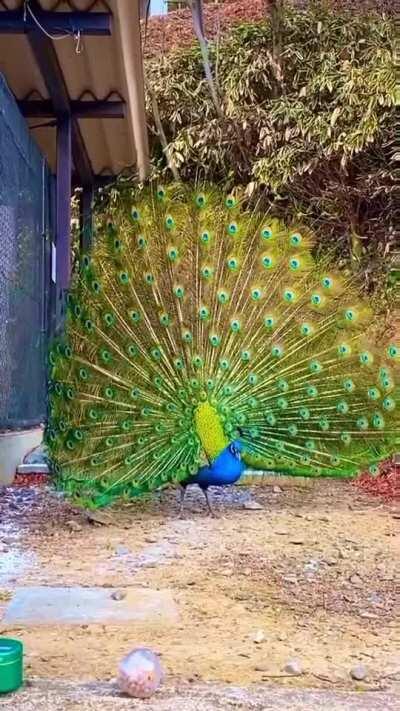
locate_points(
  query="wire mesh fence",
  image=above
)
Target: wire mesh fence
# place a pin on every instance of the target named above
(25, 269)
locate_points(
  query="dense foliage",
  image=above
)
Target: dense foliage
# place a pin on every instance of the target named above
(306, 124)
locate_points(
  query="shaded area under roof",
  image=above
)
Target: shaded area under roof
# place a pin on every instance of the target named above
(94, 68)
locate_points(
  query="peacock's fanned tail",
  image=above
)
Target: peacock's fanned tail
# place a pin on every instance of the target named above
(194, 321)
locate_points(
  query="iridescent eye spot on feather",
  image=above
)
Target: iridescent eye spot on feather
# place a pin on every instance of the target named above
(315, 366)
(342, 407)
(266, 232)
(282, 385)
(165, 319)
(197, 361)
(373, 469)
(344, 350)
(232, 228)
(109, 319)
(123, 278)
(373, 393)
(256, 293)
(232, 264)
(187, 336)
(117, 245)
(223, 296)
(172, 253)
(161, 194)
(109, 393)
(96, 286)
(156, 354)
(350, 315)
(267, 261)
(270, 418)
(282, 403)
(389, 404)
(295, 239)
(312, 391)
(149, 278)
(205, 237)
(290, 296)
(169, 222)
(317, 300)
(235, 325)
(105, 355)
(349, 385)
(141, 241)
(269, 322)
(230, 202)
(134, 316)
(310, 445)
(306, 329)
(378, 421)
(252, 379)
(393, 351)
(86, 261)
(362, 423)
(204, 313)
(323, 423)
(294, 264)
(346, 438)
(245, 356)
(179, 291)
(366, 358)
(132, 350)
(89, 326)
(224, 364)
(135, 214)
(83, 374)
(179, 363)
(207, 272)
(200, 200)
(327, 282)
(215, 340)
(277, 351)
(304, 413)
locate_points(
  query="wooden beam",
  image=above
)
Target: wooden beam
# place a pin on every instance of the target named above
(47, 61)
(79, 109)
(56, 23)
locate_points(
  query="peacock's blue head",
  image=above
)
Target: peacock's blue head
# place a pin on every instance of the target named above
(235, 448)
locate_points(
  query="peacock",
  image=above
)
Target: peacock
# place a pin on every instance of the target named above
(203, 338)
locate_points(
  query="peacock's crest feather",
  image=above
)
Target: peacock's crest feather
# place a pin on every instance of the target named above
(193, 322)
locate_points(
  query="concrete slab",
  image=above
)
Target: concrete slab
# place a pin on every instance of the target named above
(48, 606)
(53, 695)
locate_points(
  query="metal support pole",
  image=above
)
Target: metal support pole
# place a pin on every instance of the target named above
(63, 221)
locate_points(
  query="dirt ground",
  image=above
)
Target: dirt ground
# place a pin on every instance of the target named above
(309, 575)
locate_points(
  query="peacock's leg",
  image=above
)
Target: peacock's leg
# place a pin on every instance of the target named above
(182, 505)
(210, 508)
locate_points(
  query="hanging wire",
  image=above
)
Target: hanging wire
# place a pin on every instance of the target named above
(75, 35)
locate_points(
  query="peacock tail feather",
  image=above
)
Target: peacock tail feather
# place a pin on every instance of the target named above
(194, 321)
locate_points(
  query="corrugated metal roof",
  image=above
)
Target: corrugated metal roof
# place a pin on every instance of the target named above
(106, 67)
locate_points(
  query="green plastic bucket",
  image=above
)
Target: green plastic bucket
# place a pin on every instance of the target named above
(11, 665)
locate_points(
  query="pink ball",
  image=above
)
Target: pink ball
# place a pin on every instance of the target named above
(140, 673)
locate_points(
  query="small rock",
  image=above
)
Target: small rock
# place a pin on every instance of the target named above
(342, 554)
(297, 541)
(118, 595)
(258, 637)
(356, 581)
(293, 666)
(359, 672)
(330, 561)
(252, 506)
(277, 490)
(74, 526)
(122, 550)
(281, 532)
(260, 669)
